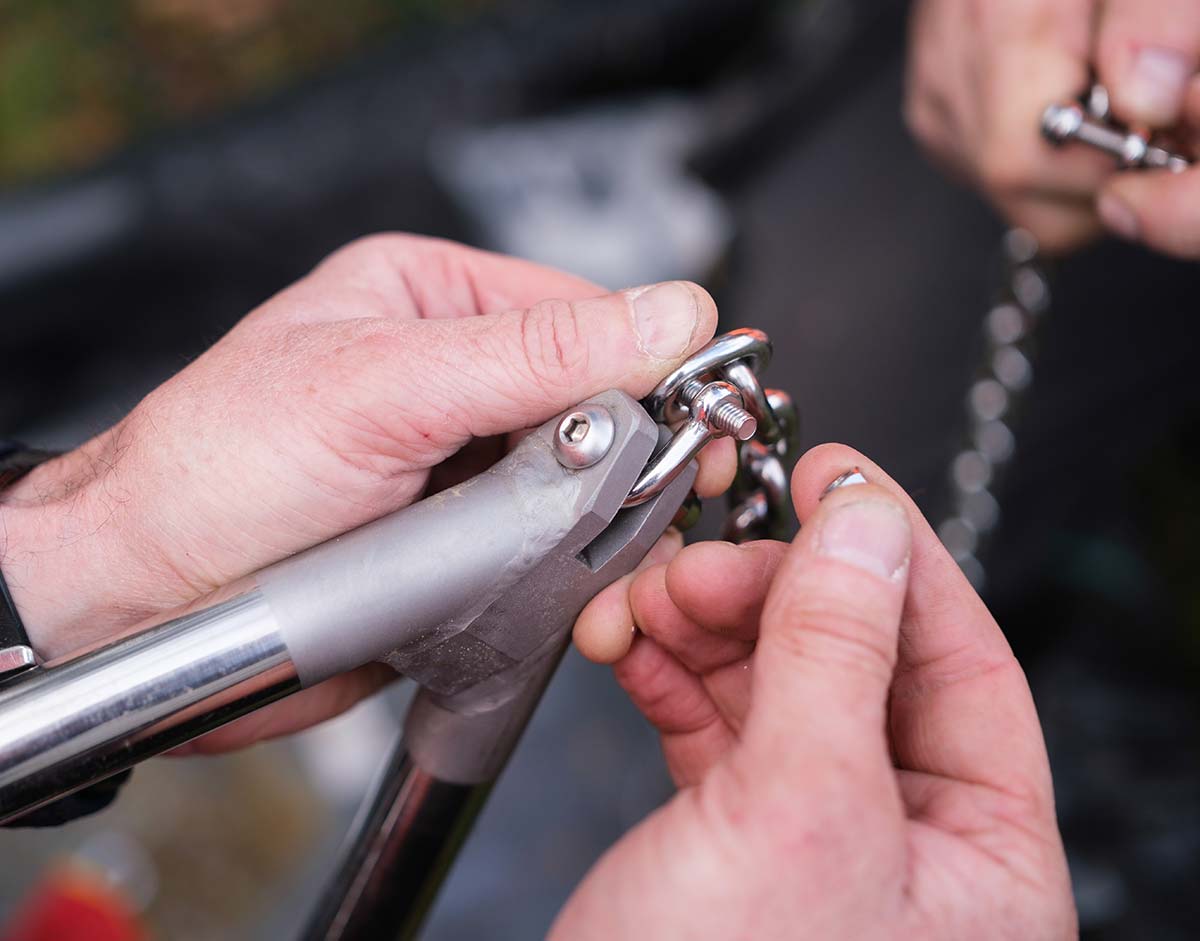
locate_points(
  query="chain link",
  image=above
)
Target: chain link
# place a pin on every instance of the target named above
(993, 402)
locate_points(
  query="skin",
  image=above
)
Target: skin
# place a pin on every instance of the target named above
(398, 366)
(981, 72)
(857, 750)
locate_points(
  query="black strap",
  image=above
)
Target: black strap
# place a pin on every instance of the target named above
(16, 461)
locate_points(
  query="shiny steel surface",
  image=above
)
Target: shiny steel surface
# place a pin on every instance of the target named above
(715, 411)
(745, 344)
(760, 498)
(16, 659)
(398, 851)
(584, 436)
(78, 722)
(1063, 123)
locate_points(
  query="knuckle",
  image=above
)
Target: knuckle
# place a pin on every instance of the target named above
(920, 120)
(553, 346)
(377, 245)
(840, 631)
(1002, 172)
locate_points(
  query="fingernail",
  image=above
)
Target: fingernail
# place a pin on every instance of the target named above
(848, 479)
(1118, 217)
(665, 317)
(869, 534)
(1156, 85)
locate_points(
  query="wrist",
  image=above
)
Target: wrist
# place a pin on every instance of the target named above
(53, 553)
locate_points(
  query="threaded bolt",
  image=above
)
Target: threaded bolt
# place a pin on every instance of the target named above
(732, 419)
(718, 405)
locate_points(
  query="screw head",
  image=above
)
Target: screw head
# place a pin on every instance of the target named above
(584, 436)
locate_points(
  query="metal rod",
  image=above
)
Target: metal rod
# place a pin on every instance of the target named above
(79, 722)
(401, 846)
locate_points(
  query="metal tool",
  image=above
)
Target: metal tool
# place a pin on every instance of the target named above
(1091, 123)
(477, 615)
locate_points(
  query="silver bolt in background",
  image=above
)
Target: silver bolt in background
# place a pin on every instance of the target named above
(584, 436)
(1062, 123)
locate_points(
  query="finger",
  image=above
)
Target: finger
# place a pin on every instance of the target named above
(605, 628)
(1159, 209)
(676, 703)
(721, 587)
(496, 373)
(718, 465)
(939, 106)
(657, 616)
(1060, 225)
(409, 277)
(1191, 112)
(1039, 55)
(827, 650)
(960, 705)
(1146, 54)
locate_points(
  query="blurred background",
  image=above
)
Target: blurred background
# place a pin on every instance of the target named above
(166, 165)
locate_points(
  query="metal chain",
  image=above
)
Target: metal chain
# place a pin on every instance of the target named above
(993, 403)
(716, 393)
(1008, 326)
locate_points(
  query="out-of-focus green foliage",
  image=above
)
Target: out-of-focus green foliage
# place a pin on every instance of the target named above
(81, 78)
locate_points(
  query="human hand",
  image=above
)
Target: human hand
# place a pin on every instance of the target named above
(981, 73)
(393, 367)
(857, 748)
(1147, 57)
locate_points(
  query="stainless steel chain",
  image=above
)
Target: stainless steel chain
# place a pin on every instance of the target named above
(717, 393)
(1006, 373)
(993, 403)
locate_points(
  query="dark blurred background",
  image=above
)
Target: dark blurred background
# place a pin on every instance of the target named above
(166, 165)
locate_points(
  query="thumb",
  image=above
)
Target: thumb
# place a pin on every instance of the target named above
(828, 648)
(1158, 209)
(1146, 54)
(527, 365)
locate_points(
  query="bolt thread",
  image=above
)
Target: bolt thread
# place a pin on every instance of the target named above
(689, 391)
(732, 419)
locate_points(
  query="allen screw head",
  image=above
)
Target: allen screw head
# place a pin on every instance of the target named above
(584, 436)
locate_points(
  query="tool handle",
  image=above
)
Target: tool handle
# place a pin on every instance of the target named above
(406, 582)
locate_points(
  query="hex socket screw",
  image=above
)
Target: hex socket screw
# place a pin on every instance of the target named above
(584, 436)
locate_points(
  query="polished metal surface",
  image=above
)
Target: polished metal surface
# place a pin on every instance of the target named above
(396, 854)
(761, 498)
(666, 465)
(16, 659)
(714, 410)
(74, 723)
(1070, 122)
(584, 436)
(747, 344)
